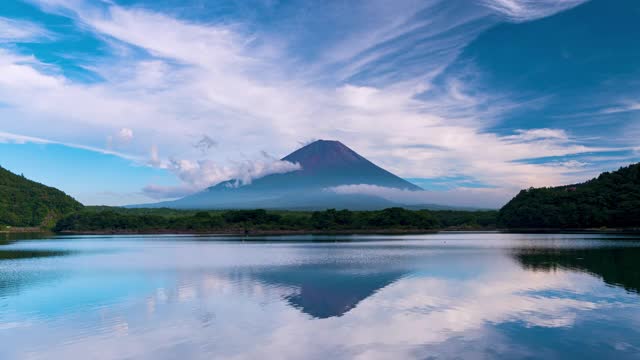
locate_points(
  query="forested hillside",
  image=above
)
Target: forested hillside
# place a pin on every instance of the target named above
(610, 200)
(25, 203)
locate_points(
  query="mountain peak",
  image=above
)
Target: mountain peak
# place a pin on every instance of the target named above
(327, 163)
(324, 153)
(323, 142)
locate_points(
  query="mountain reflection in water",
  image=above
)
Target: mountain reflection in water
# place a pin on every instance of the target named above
(326, 290)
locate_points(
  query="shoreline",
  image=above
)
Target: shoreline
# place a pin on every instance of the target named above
(25, 230)
(238, 232)
(255, 232)
(262, 232)
(573, 231)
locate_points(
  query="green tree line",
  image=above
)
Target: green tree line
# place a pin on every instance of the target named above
(139, 220)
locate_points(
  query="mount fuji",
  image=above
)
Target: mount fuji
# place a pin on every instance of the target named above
(323, 165)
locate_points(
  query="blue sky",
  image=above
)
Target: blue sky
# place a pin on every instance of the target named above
(119, 102)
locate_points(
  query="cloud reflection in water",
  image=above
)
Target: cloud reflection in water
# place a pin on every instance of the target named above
(362, 300)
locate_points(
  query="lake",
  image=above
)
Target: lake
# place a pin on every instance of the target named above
(448, 295)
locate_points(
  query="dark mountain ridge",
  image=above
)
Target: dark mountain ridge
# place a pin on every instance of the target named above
(610, 200)
(26, 203)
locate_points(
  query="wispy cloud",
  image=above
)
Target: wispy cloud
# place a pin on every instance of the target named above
(626, 107)
(527, 10)
(22, 31)
(539, 134)
(23, 139)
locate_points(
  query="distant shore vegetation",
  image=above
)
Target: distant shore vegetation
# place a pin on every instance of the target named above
(119, 220)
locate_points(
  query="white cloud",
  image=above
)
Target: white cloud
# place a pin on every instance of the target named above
(198, 175)
(125, 135)
(249, 170)
(122, 137)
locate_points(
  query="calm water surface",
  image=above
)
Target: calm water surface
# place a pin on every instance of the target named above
(451, 295)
